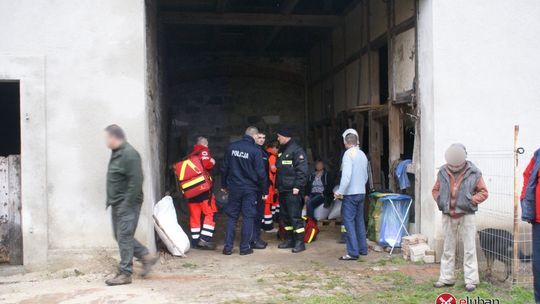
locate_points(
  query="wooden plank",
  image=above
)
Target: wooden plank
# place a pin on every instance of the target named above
(15, 231)
(10, 207)
(244, 19)
(4, 211)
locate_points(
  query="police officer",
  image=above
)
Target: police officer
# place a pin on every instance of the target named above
(291, 179)
(244, 178)
(256, 241)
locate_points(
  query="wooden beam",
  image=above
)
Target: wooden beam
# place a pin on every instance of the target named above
(242, 19)
(286, 9)
(221, 5)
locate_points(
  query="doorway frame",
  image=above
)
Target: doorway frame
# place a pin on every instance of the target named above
(30, 72)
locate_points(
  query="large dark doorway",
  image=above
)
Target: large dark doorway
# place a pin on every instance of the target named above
(10, 128)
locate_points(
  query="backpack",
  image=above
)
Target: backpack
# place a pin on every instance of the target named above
(192, 176)
(311, 230)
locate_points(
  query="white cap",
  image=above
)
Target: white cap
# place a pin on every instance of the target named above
(351, 131)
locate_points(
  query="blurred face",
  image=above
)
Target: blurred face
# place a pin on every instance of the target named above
(112, 142)
(261, 139)
(282, 139)
(319, 166)
(204, 142)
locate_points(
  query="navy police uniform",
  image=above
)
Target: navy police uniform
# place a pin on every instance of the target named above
(259, 217)
(244, 176)
(292, 172)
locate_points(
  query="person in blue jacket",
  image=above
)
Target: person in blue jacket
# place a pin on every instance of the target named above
(243, 176)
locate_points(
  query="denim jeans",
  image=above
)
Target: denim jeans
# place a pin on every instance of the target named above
(315, 200)
(536, 260)
(352, 211)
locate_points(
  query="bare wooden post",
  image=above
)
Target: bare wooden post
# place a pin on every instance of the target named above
(515, 258)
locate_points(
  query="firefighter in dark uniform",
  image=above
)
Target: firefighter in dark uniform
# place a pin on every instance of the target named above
(291, 179)
(243, 176)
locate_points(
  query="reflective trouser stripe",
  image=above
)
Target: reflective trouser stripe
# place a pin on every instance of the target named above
(343, 230)
(289, 228)
(207, 233)
(299, 230)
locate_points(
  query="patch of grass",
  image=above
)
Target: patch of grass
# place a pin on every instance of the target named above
(260, 280)
(284, 290)
(521, 295)
(333, 282)
(189, 265)
(331, 299)
(393, 260)
(404, 289)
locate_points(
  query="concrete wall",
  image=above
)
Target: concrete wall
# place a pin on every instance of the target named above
(92, 58)
(221, 106)
(479, 74)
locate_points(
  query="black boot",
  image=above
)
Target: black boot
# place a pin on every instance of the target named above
(288, 242)
(299, 245)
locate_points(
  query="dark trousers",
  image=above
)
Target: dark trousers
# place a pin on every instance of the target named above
(124, 221)
(257, 221)
(242, 202)
(352, 211)
(315, 200)
(536, 260)
(291, 214)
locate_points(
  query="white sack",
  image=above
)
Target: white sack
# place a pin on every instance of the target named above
(321, 213)
(335, 211)
(167, 227)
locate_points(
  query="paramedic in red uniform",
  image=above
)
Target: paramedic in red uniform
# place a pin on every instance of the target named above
(204, 204)
(271, 202)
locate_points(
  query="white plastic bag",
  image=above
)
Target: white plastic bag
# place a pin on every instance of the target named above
(167, 227)
(335, 211)
(321, 213)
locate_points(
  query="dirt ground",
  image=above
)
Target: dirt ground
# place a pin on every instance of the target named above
(268, 276)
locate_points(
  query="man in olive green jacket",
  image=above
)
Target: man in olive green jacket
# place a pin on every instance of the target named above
(125, 196)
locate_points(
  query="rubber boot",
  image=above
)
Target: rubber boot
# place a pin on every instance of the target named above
(288, 242)
(299, 245)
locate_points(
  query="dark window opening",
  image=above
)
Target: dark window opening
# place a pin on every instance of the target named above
(10, 127)
(383, 74)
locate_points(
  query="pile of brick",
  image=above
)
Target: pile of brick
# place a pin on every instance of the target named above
(416, 249)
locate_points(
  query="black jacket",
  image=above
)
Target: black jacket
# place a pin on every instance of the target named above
(292, 168)
(243, 167)
(328, 183)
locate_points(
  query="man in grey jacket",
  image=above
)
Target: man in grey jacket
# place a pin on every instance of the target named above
(354, 176)
(458, 191)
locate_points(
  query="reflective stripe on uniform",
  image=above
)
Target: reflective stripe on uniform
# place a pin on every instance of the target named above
(207, 233)
(299, 230)
(343, 230)
(208, 227)
(193, 182)
(289, 228)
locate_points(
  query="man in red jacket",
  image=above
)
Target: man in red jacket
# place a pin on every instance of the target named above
(203, 204)
(530, 200)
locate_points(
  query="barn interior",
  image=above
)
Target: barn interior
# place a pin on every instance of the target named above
(317, 66)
